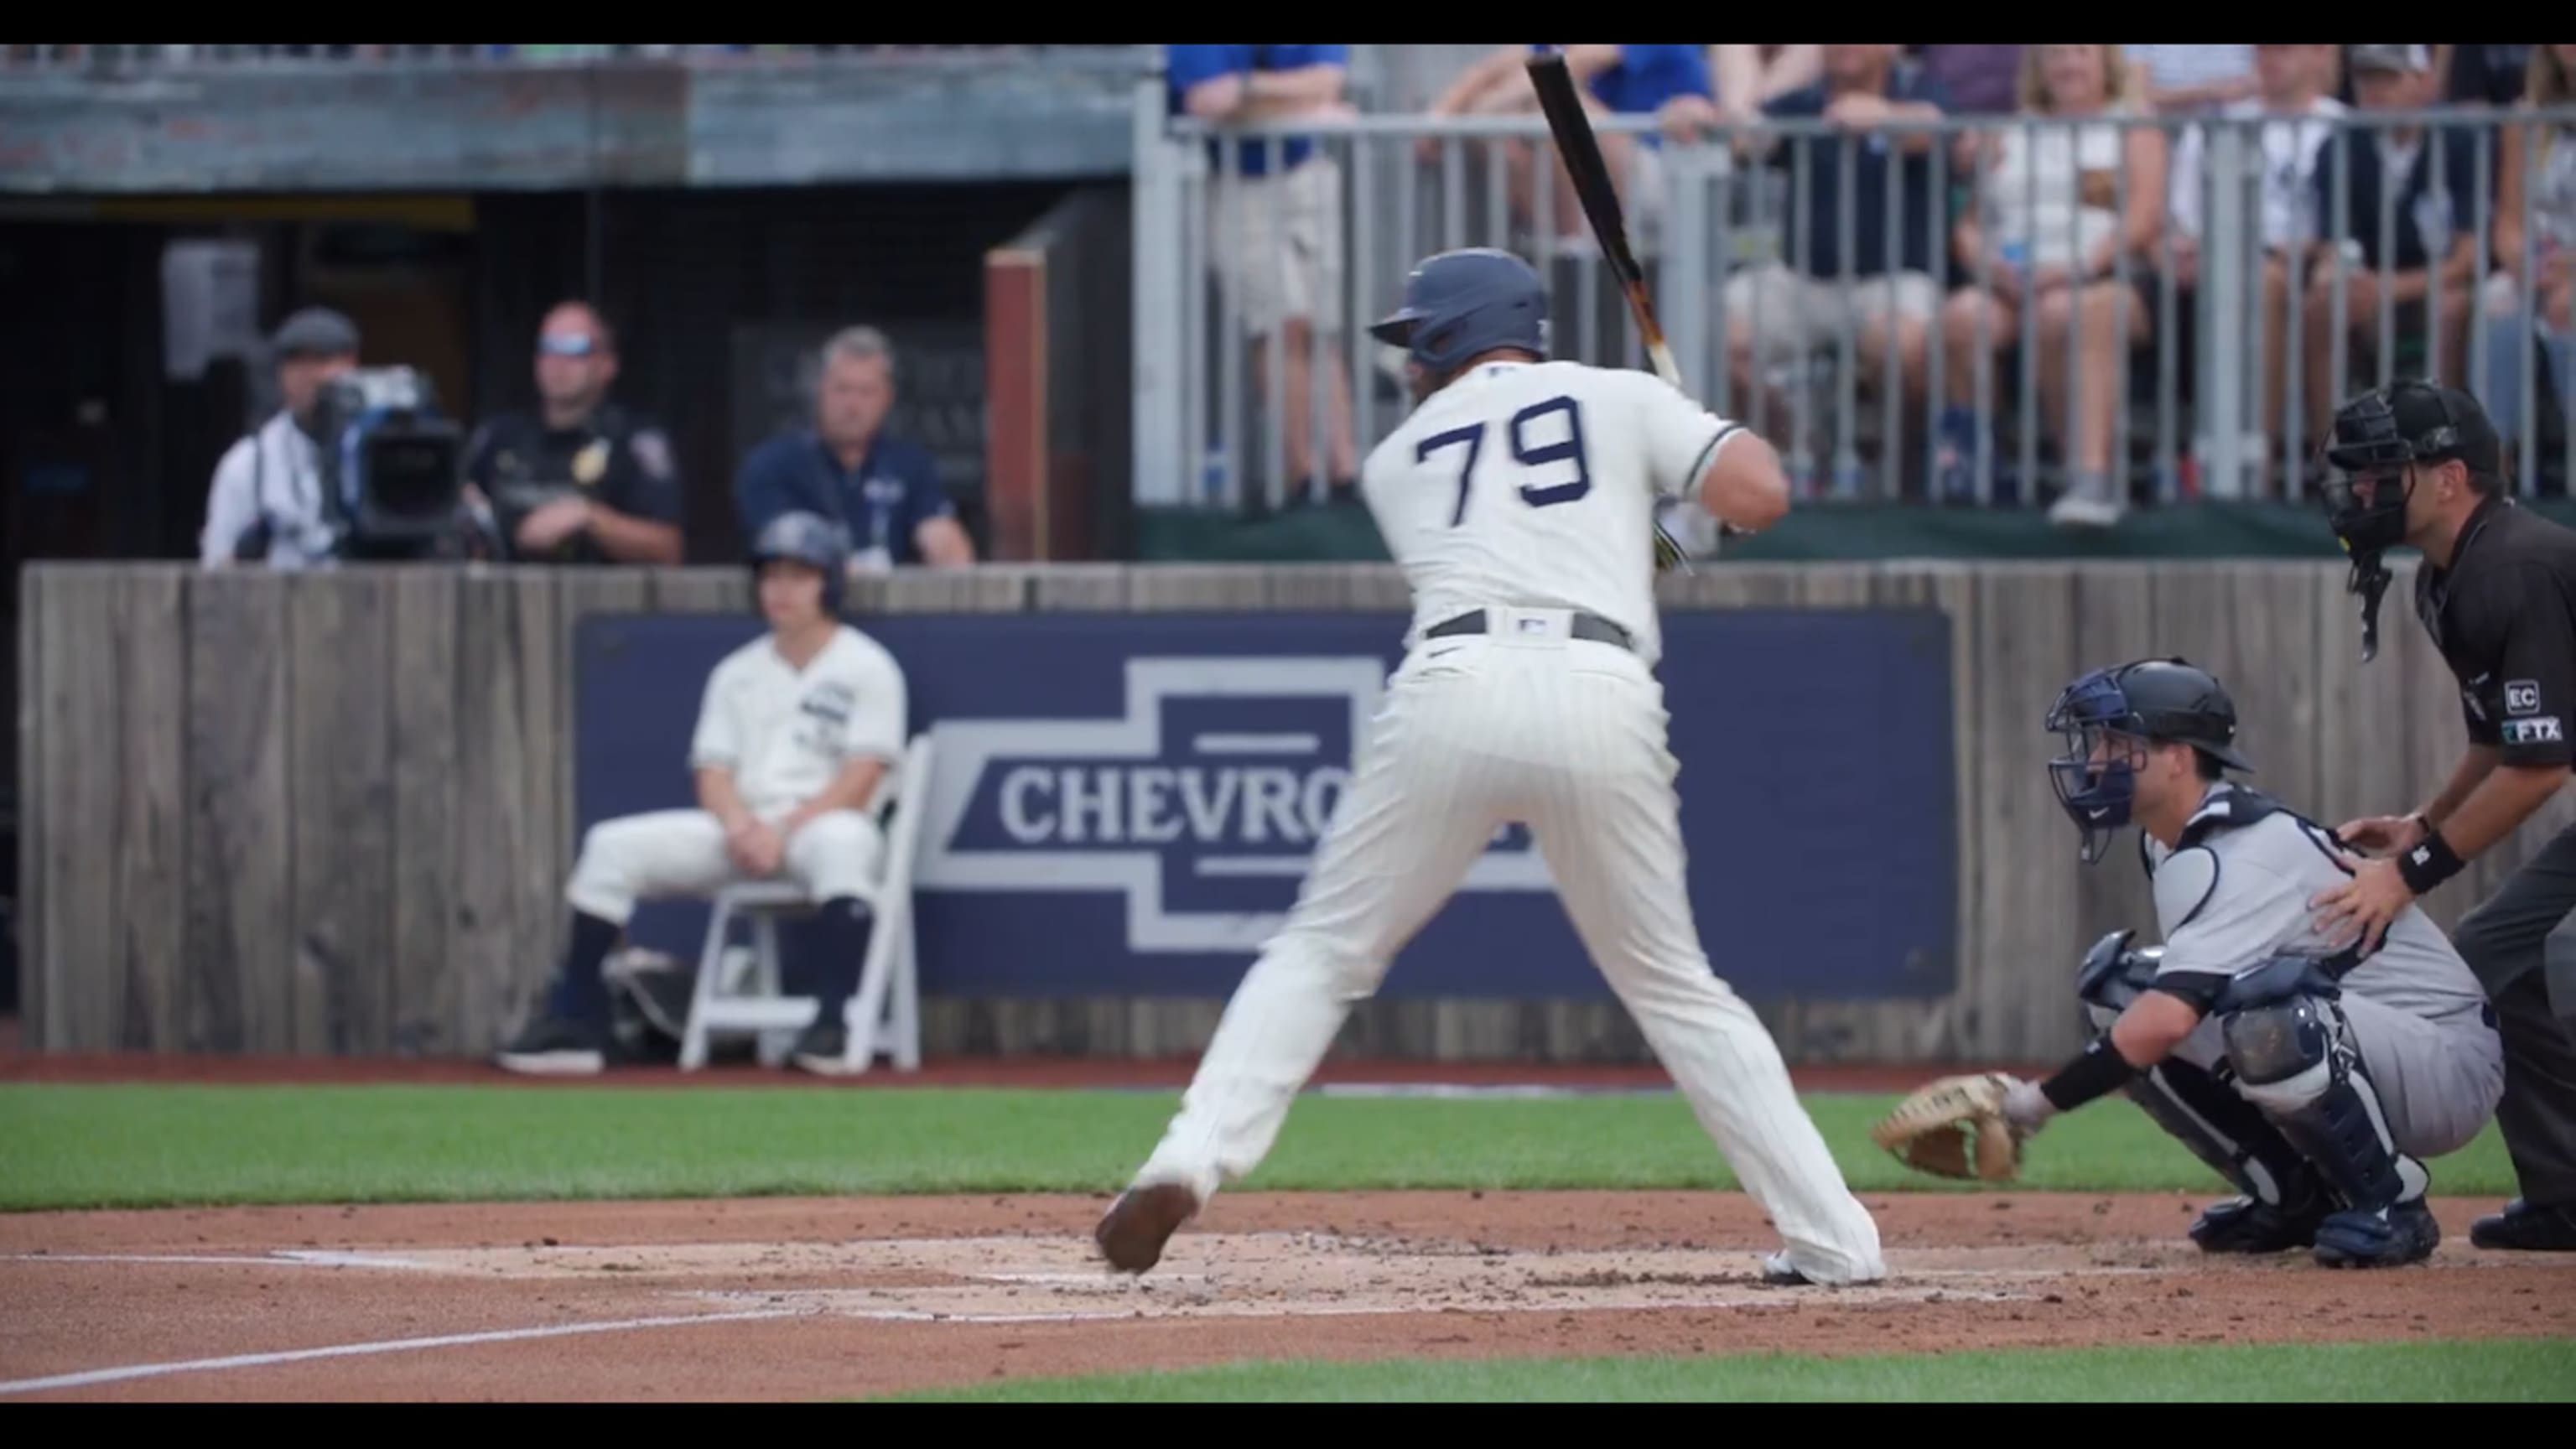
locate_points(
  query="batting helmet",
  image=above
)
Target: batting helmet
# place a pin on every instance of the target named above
(1461, 303)
(2162, 701)
(807, 538)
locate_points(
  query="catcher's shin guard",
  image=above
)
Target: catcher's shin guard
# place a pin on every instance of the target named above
(2296, 1062)
(2282, 1198)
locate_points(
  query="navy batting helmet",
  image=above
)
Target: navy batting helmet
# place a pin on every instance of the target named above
(807, 538)
(1461, 303)
(2163, 701)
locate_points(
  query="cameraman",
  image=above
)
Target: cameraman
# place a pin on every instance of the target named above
(584, 482)
(266, 505)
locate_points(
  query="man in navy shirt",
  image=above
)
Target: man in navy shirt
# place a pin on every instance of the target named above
(1276, 238)
(2433, 232)
(1666, 81)
(1778, 312)
(883, 491)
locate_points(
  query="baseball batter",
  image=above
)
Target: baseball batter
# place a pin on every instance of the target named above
(2316, 1079)
(1518, 499)
(795, 732)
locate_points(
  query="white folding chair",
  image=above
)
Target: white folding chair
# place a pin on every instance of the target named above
(884, 1014)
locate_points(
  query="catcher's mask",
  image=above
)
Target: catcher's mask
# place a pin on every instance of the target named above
(2109, 716)
(2374, 452)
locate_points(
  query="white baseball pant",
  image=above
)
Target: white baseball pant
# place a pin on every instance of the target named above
(1567, 735)
(682, 853)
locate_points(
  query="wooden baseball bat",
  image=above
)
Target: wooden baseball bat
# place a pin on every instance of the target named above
(1583, 162)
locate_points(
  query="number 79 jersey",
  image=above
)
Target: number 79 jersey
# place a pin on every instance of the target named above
(1535, 484)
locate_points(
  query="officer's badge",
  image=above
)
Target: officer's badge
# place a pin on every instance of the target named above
(591, 463)
(653, 451)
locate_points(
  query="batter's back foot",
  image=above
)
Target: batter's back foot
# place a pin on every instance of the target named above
(1132, 1233)
(1779, 1272)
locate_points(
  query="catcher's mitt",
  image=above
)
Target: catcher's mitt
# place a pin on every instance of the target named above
(1955, 1127)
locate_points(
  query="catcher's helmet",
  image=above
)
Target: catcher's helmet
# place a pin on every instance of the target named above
(1461, 303)
(2378, 434)
(807, 538)
(2161, 701)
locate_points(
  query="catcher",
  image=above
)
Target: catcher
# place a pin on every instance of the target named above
(2313, 1076)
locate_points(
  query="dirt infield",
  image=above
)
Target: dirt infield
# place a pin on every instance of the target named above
(806, 1299)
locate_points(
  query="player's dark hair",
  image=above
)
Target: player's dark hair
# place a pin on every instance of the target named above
(2207, 767)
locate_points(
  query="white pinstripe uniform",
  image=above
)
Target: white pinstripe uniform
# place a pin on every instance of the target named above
(1525, 491)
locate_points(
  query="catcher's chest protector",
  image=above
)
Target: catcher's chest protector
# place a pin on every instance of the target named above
(2229, 807)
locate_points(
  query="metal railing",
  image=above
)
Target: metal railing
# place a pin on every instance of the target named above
(133, 59)
(2256, 313)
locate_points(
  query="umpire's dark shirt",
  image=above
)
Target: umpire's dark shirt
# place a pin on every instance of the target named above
(2504, 617)
(613, 456)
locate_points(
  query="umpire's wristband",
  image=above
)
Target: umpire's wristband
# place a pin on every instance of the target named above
(2429, 864)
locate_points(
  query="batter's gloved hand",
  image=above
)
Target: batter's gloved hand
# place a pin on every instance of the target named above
(1955, 1127)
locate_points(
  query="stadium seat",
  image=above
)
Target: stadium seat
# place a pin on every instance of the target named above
(884, 1014)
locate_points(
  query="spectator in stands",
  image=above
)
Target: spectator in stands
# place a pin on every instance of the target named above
(2483, 75)
(883, 490)
(1276, 240)
(580, 480)
(2052, 219)
(1669, 82)
(1750, 77)
(2194, 80)
(2434, 231)
(265, 504)
(2550, 206)
(2300, 116)
(1885, 290)
(1978, 79)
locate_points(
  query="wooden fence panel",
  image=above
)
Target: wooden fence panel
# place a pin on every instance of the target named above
(340, 696)
(241, 862)
(426, 964)
(270, 813)
(151, 825)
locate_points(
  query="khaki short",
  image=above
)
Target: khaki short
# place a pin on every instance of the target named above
(1790, 314)
(1276, 244)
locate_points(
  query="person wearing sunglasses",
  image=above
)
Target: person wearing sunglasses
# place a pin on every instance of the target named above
(581, 479)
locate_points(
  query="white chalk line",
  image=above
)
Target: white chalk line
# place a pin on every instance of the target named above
(397, 1345)
(283, 1258)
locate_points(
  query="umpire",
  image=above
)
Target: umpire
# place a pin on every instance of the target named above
(2419, 464)
(582, 480)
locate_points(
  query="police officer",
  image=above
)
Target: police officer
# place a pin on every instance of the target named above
(2419, 464)
(583, 480)
(265, 505)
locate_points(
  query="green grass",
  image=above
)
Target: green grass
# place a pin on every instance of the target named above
(143, 1145)
(2493, 1371)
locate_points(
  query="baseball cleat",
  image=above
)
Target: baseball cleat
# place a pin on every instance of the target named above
(823, 1049)
(2526, 1227)
(1131, 1235)
(2245, 1225)
(1778, 1272)
(2378, 1237)
(552, 1047)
